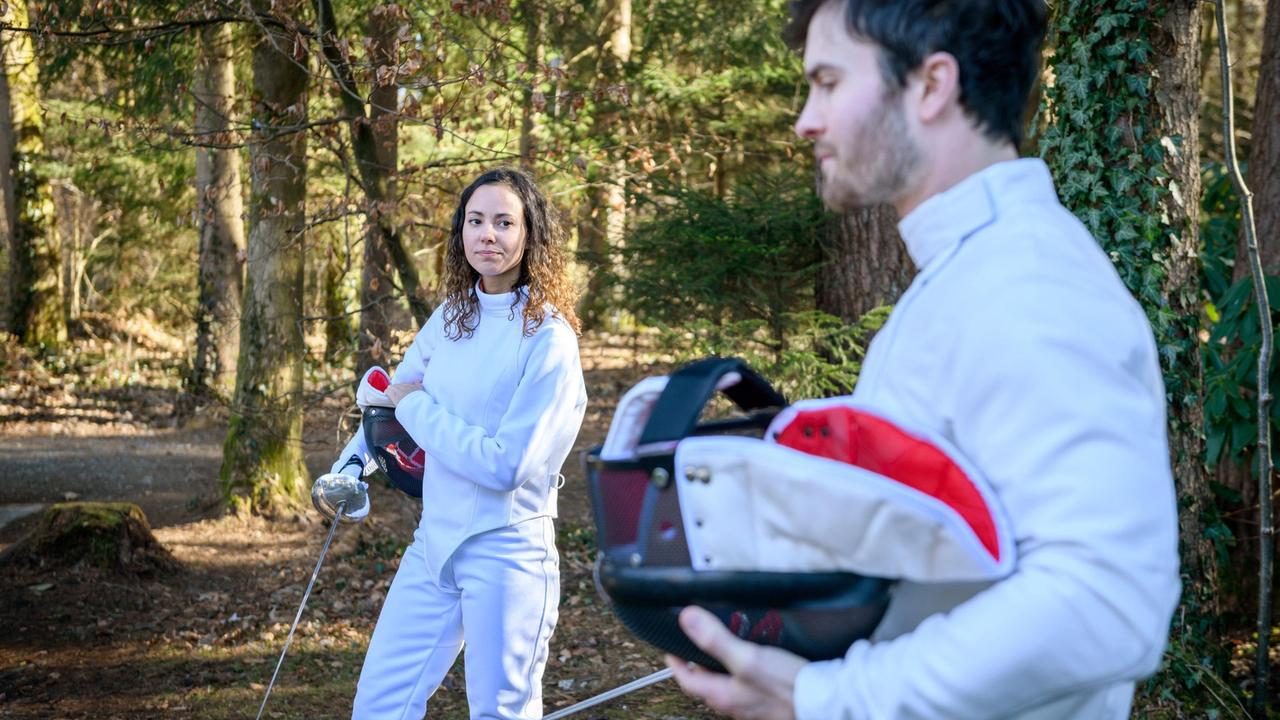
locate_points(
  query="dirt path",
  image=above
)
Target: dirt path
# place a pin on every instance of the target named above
(170, 474)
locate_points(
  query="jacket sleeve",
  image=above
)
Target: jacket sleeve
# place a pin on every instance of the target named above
(1062, 406)
(413, 366)
(548, 402)
(354, 456)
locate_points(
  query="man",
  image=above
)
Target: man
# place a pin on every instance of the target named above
(1017, 343)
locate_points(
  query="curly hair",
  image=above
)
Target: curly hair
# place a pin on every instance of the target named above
(543, 276)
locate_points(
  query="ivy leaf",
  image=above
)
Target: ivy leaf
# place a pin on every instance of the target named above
(1213, 444)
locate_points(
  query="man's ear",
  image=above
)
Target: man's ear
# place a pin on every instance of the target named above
(938, 89)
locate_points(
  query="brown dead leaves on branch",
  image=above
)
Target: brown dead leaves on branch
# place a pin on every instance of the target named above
(498, 9)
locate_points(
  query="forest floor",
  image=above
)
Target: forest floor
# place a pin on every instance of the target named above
(100, 422)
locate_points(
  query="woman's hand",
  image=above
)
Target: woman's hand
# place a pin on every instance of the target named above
(400, 391)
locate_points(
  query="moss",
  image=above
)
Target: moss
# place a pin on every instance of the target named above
(92, 515)
(262, 472)
(109, 536)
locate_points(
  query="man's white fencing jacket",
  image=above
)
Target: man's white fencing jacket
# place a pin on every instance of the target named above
(1040, 581)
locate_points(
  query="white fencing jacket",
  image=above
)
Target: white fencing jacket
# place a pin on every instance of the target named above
(1018, 344)
(497, 418)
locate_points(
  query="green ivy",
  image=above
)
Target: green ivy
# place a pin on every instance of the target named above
(1108, 167)
(1099, 129)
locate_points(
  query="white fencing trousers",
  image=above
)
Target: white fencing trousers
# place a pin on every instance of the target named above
(501, 591)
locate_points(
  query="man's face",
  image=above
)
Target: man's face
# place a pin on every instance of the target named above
(861, 137)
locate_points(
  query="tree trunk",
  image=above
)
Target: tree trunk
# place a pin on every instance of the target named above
(77, 221)
(533, 18)
(8, 203)
(219, 208)
(35, 277)
(337, 326)
(600, 232)
(1124, 149)
(262, 466)
(867, 264)
(115, 537)
(1264, 151)
(378, 163)
(1177, 100)
(374, 139)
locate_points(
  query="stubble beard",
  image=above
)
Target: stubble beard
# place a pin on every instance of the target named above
(887, 162)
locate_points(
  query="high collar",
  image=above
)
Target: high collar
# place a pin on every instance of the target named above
(943, 220)
(497, 303)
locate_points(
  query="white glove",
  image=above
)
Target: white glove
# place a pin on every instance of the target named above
(332, 489)
(633, 412)
(372, 388)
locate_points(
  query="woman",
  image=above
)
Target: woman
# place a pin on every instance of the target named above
(492, 390)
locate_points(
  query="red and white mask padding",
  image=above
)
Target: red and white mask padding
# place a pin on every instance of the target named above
(838, 487)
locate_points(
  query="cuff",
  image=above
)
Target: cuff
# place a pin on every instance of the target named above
(353, 466)
(817, 693)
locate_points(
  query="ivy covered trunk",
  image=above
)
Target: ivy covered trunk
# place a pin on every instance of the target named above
(219, 208)
(1177, 102)
(866, 263)
(35, 277)
(1122, 140)
(262, 466)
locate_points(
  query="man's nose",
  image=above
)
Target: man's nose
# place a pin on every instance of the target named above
(808, 125)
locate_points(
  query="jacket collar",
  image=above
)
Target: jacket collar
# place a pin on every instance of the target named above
(944, 220)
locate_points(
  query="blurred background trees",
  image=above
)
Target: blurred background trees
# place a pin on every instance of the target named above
(270, 183)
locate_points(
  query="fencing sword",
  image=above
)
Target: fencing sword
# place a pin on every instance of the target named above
(604, 697)
(332, 494)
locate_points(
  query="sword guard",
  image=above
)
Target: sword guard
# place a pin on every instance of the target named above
(332, 490)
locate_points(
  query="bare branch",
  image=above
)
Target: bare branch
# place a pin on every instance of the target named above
(1267, 538)
(109, 36)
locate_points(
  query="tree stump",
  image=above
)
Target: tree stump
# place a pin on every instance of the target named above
(114, 537)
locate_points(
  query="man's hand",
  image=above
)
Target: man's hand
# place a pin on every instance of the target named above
(761, 679)
(400, 391)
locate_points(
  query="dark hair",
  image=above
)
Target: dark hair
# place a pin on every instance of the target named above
(543, 278)
(996, 43)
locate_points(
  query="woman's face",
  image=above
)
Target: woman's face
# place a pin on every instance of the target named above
(493, 234)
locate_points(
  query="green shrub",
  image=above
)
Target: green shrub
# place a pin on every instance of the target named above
(734, 276)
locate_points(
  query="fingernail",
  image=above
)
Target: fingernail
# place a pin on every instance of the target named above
(691, 622)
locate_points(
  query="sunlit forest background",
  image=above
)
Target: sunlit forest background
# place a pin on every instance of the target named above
(217, 213)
